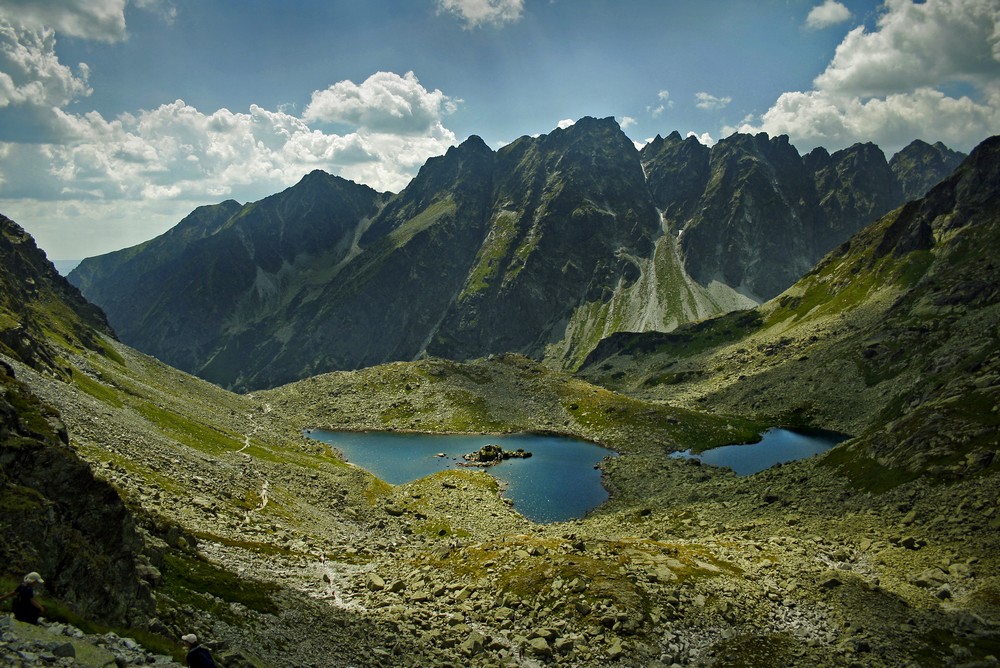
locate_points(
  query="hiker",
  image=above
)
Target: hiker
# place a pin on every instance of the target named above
(198, 656)
(26, 607)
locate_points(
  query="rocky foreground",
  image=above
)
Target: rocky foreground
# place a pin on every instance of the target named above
(265, 543)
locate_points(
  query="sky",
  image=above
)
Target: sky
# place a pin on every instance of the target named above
(119, 117)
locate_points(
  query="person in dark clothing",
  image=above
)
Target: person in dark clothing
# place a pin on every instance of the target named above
(26, 607)
(198, 656)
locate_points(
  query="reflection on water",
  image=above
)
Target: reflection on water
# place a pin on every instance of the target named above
(777, 446)
(558, 482)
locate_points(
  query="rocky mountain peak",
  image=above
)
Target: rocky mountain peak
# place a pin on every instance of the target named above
(919, 166)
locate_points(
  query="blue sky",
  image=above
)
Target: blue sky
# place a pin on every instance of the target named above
(117, 117)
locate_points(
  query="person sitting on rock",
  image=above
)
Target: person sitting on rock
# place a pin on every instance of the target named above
(198, 656)
(26, 607)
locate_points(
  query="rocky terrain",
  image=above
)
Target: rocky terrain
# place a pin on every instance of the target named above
(686, 565)
(241, 529)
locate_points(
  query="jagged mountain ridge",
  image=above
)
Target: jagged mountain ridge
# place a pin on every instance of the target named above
(543, 247)
(892, 338)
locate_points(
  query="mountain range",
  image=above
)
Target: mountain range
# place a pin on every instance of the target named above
(542, 248)
(156, 503)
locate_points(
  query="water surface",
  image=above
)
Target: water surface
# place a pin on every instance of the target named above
(558, 482)
(777, 446)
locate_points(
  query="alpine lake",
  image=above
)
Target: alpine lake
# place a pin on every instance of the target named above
(560, 480)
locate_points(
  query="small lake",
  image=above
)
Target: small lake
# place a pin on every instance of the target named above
(777, 446)
(557, 483)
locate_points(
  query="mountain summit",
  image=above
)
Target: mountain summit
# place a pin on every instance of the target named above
(543, 248)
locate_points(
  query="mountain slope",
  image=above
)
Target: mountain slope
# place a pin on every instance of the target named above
(541, 248)
(892, 337)
(224, 266)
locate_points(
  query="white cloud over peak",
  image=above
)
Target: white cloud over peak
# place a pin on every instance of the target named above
(480, 12)
(704, 138)
(895, 83)
(830, 13)
(711, 102)
(384, 102)
(164, 162)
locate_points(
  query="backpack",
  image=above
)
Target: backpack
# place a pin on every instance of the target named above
(22, 607)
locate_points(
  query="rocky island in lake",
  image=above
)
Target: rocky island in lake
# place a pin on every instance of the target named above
(492, 454)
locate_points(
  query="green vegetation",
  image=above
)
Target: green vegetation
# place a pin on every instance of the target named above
(755, 651)
(189, 580)
(185, 430)
(864, 472)
(494, 250)
(101, 391)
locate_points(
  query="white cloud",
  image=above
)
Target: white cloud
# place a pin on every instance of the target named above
(627, 122)
(102, 20)
(917, 45)
(704, 138)
(384, 102)
(818, 118)
(656, 111)
(156, 165)
(830, 13)
(479, 12)
(565, 123)
(175, 157)
(176, 151)
(891, 85)
(30, 71)
(711, 102)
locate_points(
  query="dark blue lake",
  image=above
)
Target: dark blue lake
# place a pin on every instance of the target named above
(557, 483)
(777, 446)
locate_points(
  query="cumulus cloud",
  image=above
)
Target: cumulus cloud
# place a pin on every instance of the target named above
(830, 13)
(177, 151)
(894, 84)
(384, 102)
(565, 123)
(480, 12)
(30, 71)
(163, 162)
(711, 102)
(627, 122)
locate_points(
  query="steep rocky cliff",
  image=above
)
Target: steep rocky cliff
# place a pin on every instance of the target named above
(543, 248)
(55, 517)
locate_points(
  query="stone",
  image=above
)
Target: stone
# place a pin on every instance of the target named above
(563, 645)
(538, 647)
(473, 644)
(374, 583)
(64, 650)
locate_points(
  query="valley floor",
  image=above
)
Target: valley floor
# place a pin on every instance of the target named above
(686, 565)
